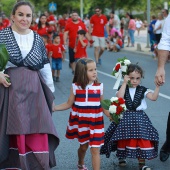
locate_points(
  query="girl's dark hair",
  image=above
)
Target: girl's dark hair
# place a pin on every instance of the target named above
(134, 67)
(81, 32)
(80, 75)
(20, 3)
(39, 22)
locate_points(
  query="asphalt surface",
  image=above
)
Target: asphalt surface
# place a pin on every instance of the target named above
(66, 153)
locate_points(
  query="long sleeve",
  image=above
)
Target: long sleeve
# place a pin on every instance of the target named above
(47, 75)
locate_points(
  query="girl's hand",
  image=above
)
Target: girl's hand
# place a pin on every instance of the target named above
(3, 80)
(126, 79)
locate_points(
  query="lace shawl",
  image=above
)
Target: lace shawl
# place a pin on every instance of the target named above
(34, 60)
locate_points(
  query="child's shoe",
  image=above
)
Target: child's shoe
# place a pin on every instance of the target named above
(57, 79)
(145, 168)
(100, 61)
(82, 167)
(122, 162)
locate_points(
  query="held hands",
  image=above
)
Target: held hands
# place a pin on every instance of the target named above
(53, 107)
(160, 77)
(3, 80)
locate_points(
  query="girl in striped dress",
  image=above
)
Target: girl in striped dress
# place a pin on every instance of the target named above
(86, 117)
(134, 136)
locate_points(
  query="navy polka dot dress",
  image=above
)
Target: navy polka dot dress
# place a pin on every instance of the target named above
(134, 136)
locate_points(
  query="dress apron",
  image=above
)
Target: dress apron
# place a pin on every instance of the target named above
(28, 137)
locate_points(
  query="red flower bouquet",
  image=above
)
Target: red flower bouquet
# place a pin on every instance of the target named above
(116, 107)
(120, 70)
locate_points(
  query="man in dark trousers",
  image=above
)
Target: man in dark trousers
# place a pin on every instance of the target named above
(163, 53)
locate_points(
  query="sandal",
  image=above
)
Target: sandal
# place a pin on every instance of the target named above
(82, 167)
(145, 168)
(122, 162)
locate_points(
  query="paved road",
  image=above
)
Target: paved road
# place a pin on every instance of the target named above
(66, 153)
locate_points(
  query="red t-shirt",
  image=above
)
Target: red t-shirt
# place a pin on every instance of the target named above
(98, 25)
(45, 31)
(61, 38)
(6, 22)
(81, 50)
(62, 23)
(33, 27)
(51, 18)
(48, 47)
(2, 26)
(72, 29)
(119, 42)
(57, 50)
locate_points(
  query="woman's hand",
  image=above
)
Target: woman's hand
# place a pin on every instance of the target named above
(3, 80)
(53, 107)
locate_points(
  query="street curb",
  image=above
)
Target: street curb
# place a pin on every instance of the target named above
(139, 52)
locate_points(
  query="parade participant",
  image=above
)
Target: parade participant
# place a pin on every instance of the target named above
(135, 135)
(28, 136)
(62, 23)
(71, 32)
(43, 27)
(97, 23)
(163, 53)
(57, 51)
(86, 118)
(80, 49)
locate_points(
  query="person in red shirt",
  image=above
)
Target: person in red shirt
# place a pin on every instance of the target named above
(2, 26)
(118, 42)
(71, 31)
(43, 27)
(62, 22)
(47, 45)
(57, 52)
(97, 23)
(61, 34)
(80, 49)
(6, 21)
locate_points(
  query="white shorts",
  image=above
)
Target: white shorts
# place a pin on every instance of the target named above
(99, 41)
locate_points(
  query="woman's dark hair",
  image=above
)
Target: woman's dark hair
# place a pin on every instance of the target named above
(39, 22)
(20, 3)
(131, 16)
(135, 67)
(80, 75)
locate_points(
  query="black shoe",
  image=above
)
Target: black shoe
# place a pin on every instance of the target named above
(57, 79)
(163, 155)
(164, 152)
(54, 78)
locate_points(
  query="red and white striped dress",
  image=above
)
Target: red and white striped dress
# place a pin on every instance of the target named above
(86, 118)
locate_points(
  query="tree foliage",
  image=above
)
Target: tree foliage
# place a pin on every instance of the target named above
(66, 6)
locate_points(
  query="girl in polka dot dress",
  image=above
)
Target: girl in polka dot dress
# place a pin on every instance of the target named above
(134, 136)
(86, 118)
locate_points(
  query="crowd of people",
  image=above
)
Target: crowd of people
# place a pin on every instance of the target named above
(36, 48)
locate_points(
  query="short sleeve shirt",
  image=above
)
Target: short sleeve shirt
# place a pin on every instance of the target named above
(57, 50)
(81, 50)
(98, 23)
(72, 29)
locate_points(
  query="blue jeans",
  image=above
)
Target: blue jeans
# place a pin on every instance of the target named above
(131, 34)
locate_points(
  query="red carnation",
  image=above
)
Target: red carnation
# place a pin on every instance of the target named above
(114, 103)
(117, 67)
(121, 101)
(119, 110)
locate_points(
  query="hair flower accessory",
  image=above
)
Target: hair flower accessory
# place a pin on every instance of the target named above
(116, 107)
(120, 70)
